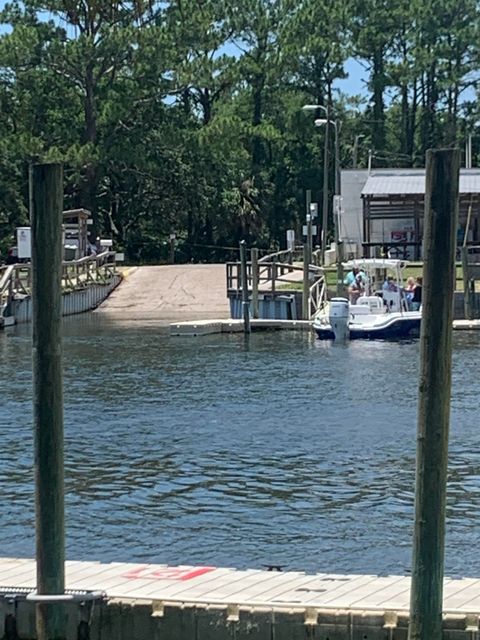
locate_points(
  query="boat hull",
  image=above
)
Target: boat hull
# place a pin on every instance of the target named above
(393, 330)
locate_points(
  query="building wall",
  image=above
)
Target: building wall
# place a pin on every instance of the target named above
(351, 221)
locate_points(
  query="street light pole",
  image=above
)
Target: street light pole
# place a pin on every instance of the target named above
(325, 188)
(338, 190)
(323, 238)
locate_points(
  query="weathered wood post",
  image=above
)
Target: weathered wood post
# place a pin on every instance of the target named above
(439, 243)
(172, 243)
(48, 395)
(468, 287)
(245, 304)
(255, 278)
(306, 285)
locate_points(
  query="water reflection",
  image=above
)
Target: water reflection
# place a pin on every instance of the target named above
(281, 450)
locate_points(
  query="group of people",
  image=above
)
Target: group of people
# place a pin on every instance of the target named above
(412, 292)
(356, 280)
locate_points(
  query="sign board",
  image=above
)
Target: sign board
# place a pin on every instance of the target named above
(119, 257)
(305, 229)
(24, 243)
(314, 209)
(337, 205)
(106, 243)
(290, 239)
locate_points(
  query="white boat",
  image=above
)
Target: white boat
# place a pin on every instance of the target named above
(376, 313)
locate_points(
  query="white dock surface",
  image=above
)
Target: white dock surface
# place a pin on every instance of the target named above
(271, 590)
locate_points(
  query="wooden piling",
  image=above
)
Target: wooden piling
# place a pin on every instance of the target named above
(244, 278)
(255, 278)
(48, 395)
(439, 243)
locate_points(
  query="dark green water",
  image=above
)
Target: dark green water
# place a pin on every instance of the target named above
(285, 450)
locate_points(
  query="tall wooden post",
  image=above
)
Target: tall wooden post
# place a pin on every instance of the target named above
(48, 395)
(255, 278)
(439, 243)
(244, 278)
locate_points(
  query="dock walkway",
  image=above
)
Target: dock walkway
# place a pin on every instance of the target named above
(339, 606)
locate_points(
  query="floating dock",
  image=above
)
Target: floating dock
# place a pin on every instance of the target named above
(149, 601)
(207, 327)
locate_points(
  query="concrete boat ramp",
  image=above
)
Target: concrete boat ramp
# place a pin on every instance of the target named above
(150, 601)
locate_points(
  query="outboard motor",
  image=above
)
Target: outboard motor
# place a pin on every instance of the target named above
(339, 318)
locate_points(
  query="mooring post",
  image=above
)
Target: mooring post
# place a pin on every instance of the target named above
(439, 244)
(255, 277)
(48, 395)
(306, 285)
(468, 298)
(245, 304)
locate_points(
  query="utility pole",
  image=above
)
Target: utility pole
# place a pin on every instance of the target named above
(306, 285)
(47, 181)
(308, 219)
(337, 211)
(439, 244)
(325, 185)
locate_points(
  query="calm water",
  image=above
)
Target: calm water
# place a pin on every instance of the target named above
(285, 450)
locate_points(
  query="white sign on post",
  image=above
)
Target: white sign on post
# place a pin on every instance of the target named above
(24, 243)
(314, 209)
(305, 229)
(290, 239)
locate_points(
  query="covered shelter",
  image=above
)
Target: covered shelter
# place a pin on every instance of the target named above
(393, 208)
(75, 224)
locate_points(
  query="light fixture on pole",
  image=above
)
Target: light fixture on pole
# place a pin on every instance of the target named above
(323, 237)
(319, 122)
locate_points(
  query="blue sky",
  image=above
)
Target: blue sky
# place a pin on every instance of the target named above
(353, 84)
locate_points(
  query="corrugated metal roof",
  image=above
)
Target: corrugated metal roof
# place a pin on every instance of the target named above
(413, 184)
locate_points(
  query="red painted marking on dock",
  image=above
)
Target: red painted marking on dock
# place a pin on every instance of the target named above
(144, 572)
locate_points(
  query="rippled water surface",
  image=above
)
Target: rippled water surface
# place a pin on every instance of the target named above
(283, 450)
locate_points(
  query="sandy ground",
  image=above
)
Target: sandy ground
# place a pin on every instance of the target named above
(169, 293)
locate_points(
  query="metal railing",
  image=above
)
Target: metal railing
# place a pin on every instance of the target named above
(317, 297)
(271, 275)
(16, 279)
(286, 256)
(277, 278)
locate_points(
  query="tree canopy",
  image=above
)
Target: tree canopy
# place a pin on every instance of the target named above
(185, 116)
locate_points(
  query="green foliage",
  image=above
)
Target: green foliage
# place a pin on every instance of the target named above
(185, 116)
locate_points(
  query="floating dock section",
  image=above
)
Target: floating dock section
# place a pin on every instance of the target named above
(149, 601)
(206, 327)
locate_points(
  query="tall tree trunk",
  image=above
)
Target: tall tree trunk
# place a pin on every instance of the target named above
(89, 190)
(257, 146)
(378, 86)
(412, 124)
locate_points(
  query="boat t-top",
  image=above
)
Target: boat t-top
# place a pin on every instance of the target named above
(377, 308)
